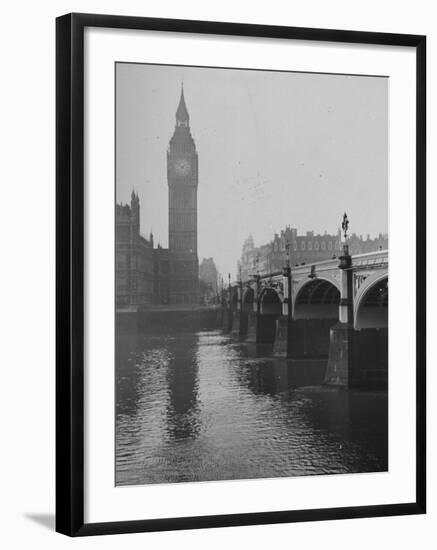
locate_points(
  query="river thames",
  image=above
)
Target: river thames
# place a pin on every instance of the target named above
(198, 406)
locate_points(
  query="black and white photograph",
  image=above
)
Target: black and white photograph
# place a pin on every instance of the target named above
(204, 208)
(251, 274)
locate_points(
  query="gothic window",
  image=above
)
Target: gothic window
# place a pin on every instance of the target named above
(316, 245)
(294, 245)
(310, 245)
(330, 245)
(302, 245)
(323, 245)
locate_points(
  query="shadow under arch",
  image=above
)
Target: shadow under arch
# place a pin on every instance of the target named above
(247, 309)
(317, 299)
(316, 310)
(371, 333)
(270, 309)
(372, 308)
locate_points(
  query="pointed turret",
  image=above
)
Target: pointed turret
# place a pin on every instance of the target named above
(182, 141)
(135, 205)
(182, 116)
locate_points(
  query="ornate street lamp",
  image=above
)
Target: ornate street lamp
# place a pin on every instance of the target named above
(346, 302)
(240, 285)
(257, 278)
(287, 273)
(345, 227)
(345, 258)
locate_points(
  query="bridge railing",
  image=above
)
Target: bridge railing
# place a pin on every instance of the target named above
(377, 259)
(371, 259)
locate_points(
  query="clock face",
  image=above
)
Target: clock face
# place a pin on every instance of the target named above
(182, 167)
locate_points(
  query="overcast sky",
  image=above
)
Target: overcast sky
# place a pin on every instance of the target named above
(275, 148)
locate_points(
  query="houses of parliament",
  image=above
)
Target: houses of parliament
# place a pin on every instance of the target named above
(146, 275)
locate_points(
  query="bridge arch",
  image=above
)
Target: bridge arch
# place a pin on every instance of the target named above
(317, 298)
(270, 302)
(371, 304)
(315, 311)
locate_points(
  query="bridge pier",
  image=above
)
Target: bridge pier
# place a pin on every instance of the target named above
(236, 323)
(282, 345)
(219, 317)
(340, 369)
(239, 324)
(252, 331)
(227, 319)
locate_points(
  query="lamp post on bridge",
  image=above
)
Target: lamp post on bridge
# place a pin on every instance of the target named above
(229, 290)
(257, 277)
(283, 336)
(240, 284)
(341, 370)
(238, 327)
(346, 298)
(227, 308)
(287, 273)
(251, 318)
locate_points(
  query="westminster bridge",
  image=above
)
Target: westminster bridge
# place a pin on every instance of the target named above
(336, 309)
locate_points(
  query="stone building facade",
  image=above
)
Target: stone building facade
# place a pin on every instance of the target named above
(303, 249)
(146, 275)
(134, 258)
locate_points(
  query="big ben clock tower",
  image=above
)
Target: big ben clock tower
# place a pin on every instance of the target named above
(182, 176)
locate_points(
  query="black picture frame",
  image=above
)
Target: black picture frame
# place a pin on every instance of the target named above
(70, 273)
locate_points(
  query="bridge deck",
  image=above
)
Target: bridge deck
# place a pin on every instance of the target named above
(374, 260)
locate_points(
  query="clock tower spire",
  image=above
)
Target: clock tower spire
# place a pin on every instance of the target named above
(182, 116)
(182, 177)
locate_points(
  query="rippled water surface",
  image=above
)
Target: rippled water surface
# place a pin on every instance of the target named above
(198, 407)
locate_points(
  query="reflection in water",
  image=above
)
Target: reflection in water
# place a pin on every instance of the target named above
(198, 407)
(182, 386)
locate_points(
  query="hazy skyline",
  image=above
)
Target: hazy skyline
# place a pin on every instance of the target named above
(275, 149)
